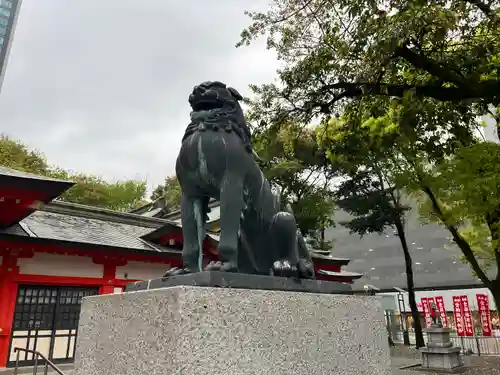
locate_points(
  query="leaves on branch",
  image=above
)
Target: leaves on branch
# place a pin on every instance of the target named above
(336, 51)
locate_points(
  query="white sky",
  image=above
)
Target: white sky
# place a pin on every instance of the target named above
(101, 87)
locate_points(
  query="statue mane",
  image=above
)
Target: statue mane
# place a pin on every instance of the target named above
(216, 107)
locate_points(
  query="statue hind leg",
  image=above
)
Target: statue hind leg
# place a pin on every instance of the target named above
(283, 231)
(306, 265)
(231, 207)
(293, 259)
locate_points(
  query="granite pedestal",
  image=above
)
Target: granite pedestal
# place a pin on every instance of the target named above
(440, 354)
(193, 330)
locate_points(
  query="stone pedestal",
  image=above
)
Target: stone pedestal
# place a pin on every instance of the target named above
(440, 354)
(193, 330)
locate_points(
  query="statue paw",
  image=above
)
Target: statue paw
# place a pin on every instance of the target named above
(229, 267)
(213, 266)
(222, 267)
(283, 268)
(306, 269)
(175, 271)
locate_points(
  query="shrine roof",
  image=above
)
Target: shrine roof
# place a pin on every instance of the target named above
(89, 225)
(79, 229)
(9, 172)
(22, 193)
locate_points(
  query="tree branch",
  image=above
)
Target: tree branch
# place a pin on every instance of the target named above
(488, 90)
(497, 259)
(432, 67)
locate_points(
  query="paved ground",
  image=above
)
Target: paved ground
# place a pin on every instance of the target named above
(67, 369)
(401, 356)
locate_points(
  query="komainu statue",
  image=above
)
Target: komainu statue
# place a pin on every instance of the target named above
(217, 161)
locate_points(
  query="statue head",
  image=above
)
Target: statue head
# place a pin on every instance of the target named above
(212, 95)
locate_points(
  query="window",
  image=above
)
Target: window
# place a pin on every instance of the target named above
(4, 22)
(1, 40)
(5, 12)
(3, 30)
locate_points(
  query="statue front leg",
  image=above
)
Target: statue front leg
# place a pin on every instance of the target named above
(193, 232)
(231, 207)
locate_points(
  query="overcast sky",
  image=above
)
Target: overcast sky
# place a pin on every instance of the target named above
(101, 86)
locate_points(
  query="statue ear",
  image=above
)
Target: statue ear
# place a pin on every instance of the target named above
(235, 93)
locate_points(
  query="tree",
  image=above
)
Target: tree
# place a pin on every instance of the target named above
(89, 190)
(294, 165)
(418, 72)
(16, 155)
(171, 191)
(464, 195)
(333, 51)
(369, 191)
(94, 191)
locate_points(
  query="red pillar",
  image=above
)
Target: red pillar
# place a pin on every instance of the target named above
(8, 295)
(108, 275)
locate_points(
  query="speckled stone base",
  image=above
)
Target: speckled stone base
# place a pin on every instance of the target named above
(222, 331)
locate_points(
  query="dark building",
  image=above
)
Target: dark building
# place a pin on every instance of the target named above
(9, 12)
(436, 259)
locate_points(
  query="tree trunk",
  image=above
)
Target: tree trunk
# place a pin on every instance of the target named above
(492, 285)
(459, 240)
(495, 291)
(419, 336)
(493, 222)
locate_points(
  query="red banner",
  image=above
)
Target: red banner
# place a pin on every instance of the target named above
(468, 323)
(459, 316)
(442, 310)
(484, 313)
(427, 313)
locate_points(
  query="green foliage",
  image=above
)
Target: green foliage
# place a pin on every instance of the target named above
(331, 51)
(479, 238)
(473, 179)
(368, 188)
(468, 188)
(316, 241)
(293, 163)
(94, 191)
(171, 191)
(16, 155)
(89, 190)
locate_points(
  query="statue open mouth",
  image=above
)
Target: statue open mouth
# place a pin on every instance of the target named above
(206, 105)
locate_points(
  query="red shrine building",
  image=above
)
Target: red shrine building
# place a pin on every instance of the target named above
(54, 253)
